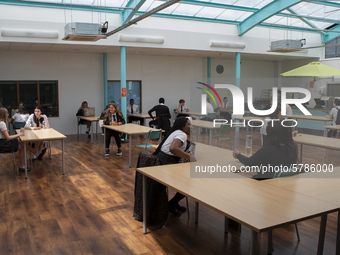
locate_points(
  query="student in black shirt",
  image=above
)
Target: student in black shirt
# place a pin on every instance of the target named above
(280, 151)
(160, 109)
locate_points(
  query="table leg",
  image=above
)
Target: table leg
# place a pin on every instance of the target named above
(104, 139)
(144, 205)
(196, 211)
(253, 242)
(130, 145)
(226, 224)
(338, 236)
(77, 127)
(325, 135)
(91, 132)
(270, 242)
(322, 234)
(210, 135)
(25, 159)
(97, 123)
(63, 154)
(301, 154)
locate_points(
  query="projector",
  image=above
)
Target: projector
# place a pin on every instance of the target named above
(286, 46)
(85, 32)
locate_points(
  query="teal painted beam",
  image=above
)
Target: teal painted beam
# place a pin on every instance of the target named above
(60, 6)
(264, 13)
(106, 98)
(305, 21)
(128, 14)
(331, 35)
(123, 79)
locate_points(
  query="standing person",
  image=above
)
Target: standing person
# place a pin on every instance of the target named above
(224, 110)
(171, 150)
(131, 109)
(280, 151)
(113, 117)
(84, 122)
(37, 120)
(181, 109)
(11, 143)
(334, 116)
(160, 109)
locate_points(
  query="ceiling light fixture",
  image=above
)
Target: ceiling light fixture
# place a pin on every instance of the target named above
(30, 33)
(221, 44)
(141, 39)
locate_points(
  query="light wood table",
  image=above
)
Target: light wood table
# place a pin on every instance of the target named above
(309, 117)
(130, 129)
(204, 124)
(322, 186)
(249, 202)
(317, 141)
(91, 119)
(140, 115)
(48, 134)
(332, 127)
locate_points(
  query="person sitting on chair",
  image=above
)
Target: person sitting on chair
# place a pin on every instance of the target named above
(160, 109)
(181, 109)
(131, 109)
(113, 117)
(224, 110)
(81, 121)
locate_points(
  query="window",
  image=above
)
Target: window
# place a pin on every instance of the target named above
(133, 89)
(31, 93)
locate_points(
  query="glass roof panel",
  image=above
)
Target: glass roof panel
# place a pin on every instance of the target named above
(209, 12)
(320, 11)
(234, 15)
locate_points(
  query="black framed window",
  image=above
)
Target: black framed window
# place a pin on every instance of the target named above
(31, 93)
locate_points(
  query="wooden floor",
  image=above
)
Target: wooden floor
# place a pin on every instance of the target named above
(89, 210)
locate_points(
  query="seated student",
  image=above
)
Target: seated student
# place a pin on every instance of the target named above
(181, 109)
(131, 109)
(114, 117)
(160, 109)
(280, 151)
(334, 116)
(276, 115)
(224, 110)
(171, 150)
(12, 143)
(21, 115)
(80, 112)
(37, 120)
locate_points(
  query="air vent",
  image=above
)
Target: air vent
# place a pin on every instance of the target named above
(285, 46)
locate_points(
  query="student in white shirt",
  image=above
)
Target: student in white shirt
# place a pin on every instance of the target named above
(11, 143)
(181, 109)
(21, 115)
(334, 116)
(35, 121)
(132, 109)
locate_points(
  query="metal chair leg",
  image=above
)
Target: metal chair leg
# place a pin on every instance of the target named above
(188, 207)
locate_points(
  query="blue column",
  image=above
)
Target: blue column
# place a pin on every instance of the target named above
(123, 78)
(238, 84)
(209, 71)
(106, 99)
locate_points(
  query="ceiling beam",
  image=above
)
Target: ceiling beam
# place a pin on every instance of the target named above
(264, 13)
(331, 34)
(141, 17)
(128, 14)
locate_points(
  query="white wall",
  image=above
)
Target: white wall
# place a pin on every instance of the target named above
(79, 78)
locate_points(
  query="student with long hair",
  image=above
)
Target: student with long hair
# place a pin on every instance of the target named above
(80, 112)
(276, 115)
(281, 150)
(35, 121)
(11, 143)
(171, 150)
(113, 116)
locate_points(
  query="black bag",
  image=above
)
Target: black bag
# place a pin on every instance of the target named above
(337, 122)
(8, 146)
